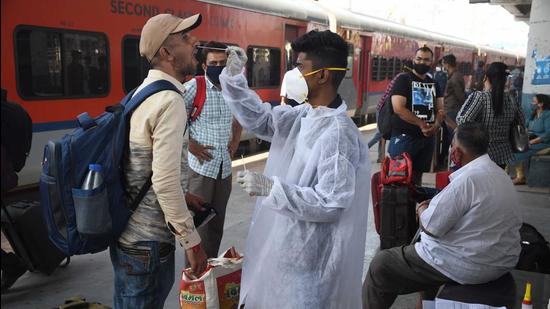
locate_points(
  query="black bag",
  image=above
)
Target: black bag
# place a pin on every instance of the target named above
(383, 122)
(16, 133)
(23, 226)
(535, 251)
(385, 113)
(397, 216)
(519, 137)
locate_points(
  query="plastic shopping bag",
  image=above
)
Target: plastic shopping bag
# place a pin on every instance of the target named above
(217, 287)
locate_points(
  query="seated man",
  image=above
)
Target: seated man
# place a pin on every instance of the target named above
(470, 230)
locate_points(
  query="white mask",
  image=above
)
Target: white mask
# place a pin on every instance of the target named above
(296, 86)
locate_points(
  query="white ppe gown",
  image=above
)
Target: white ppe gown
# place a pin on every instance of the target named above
(306, 243)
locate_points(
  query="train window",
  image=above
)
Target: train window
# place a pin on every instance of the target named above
(375, 64)
(383, 69)
(469, 68)
(56, 63)
(264, 67)
(397, 67)
(393, 67)
(134, 67)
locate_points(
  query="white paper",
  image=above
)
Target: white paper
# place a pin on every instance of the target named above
(451, 304)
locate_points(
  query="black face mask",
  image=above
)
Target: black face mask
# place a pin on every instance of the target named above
(421, 68)
(213, 72)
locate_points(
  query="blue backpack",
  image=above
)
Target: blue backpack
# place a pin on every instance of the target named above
(88, 221)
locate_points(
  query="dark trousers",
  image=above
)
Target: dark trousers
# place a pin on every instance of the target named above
(398, 271)
(215, 192)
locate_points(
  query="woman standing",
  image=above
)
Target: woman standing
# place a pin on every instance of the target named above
(539, 135)
(496, 110)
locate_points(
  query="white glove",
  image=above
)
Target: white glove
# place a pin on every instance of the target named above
(236, 60)
(254, 183)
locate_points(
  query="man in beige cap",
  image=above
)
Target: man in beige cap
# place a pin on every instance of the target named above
(143, 259)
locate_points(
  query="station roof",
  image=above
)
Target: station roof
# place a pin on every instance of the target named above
(521, 9)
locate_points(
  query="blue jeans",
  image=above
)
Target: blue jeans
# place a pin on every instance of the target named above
(144, 274)
(375, 139)
(533, 149)
(377, 136)
(419, 148)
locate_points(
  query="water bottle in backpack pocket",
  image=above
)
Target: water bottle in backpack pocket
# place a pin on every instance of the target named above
(91, 204)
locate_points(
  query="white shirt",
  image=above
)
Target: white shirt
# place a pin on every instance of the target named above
(475, 221)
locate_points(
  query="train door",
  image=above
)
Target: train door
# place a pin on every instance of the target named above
(292, 32)
(361, 75)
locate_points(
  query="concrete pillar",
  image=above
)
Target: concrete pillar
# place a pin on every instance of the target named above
(537, 60)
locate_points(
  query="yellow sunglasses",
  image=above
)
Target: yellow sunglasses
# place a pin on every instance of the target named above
(329, 69)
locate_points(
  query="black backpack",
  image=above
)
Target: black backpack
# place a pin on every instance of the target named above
(16, 133)
(535, 251)
(383, 122)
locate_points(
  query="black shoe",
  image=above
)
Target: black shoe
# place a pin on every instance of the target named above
(12, 272)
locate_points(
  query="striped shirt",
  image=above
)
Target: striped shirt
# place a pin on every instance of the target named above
(212, 127)
(478, 108)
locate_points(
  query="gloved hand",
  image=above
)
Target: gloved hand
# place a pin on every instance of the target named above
(236, 60)
(254, 183)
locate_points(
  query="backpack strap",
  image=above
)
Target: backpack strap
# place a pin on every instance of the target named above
(135, 100)
(200, 98)
(130, 106)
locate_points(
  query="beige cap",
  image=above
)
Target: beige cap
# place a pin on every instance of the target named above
(159, 27)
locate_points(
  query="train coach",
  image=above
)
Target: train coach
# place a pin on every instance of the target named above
(61, 58)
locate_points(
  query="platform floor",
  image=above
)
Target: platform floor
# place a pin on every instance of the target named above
(91, 276)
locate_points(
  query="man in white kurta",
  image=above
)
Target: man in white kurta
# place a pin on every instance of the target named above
(306, 243)
(470, 230)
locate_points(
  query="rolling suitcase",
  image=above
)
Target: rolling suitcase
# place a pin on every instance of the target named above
(376, 193)
(397, 202)
(397, 216)
(23, 226)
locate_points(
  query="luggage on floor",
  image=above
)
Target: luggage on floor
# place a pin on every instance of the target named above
(397, 202)
(397, 216)
(376, 193)
(24, 227)
(535, 250)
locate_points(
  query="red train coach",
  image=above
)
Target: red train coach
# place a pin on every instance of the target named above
(61, 58)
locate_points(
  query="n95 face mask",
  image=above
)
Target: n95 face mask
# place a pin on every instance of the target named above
(296, 86)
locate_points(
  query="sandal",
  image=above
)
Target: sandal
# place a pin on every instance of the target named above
(518, 181)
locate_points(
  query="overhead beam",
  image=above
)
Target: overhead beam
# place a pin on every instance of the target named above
(513, 10)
